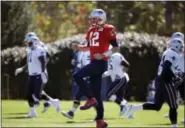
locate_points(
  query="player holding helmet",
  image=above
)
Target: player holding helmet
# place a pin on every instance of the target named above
(99, 37)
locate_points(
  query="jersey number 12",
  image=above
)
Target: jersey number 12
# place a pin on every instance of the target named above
(94, 36)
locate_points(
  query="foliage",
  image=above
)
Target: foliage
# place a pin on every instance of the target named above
(144, 16)
(15, 20)
(56, 20)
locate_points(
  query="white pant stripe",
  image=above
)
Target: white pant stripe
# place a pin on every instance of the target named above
(116, 87)
(173, 96)
(169, 95)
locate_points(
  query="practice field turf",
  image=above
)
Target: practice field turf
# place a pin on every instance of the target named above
(13, 116)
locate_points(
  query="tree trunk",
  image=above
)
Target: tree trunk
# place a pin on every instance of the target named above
(168, 17)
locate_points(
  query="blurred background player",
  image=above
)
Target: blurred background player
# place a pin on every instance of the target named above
(81, 59)
(117, 68)
(99, 37)
(48, 100)
(166, 90)
(151, 91)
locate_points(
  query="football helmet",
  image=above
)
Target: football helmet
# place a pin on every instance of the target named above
(177, 45)
(178, 35)
(97, 17)
(32, 41)
(29, 35)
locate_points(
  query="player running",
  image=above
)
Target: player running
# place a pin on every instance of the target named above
(48, 100)
(99, 37)
(166, 90)
(117, 68)
(179, 69)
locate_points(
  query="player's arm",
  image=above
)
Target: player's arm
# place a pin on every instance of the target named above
(21, 69)
(126, 65)
(81, 47)
(43, 63)
(167, 74)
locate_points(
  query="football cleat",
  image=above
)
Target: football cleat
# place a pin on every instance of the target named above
(129, 111)
(166, 116)
(123, 109)
(101, 124)
(46, 105)
(89, 103)
(56, 104)
(69, 114)
(31, 115)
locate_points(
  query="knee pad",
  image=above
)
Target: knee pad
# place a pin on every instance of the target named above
(112, 98)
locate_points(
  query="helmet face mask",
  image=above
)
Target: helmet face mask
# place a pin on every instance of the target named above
(177, 45)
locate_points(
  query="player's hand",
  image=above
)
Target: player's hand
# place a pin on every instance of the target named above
(74, 46)
(18, 70)
(98, 56)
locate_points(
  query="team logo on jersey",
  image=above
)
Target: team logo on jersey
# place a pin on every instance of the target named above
(173, 58)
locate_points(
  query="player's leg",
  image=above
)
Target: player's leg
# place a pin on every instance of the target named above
(181, 90)
(96, 89)
(49, 101)
(115, 92)
(88, 70)
(29, 92)
(121, 101)
(76, 104)
(171, 99)
(158, 102)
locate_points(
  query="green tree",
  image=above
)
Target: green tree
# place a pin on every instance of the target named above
(15, 18)
(56, 20)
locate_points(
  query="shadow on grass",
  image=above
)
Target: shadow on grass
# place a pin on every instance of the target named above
(16, 117)
(159, 124)
(78, 122)
(20, 113)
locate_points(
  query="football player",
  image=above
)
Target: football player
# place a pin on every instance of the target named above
(36, 63)
(99, 37)
(48, 100)
(166, 90)
(179, 69)
(117, 68)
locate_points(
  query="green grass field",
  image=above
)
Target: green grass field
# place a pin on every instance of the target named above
(13, 112)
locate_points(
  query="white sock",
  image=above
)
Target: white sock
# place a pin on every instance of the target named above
(112, 98)
(32, 109)
(138, 107)
(123, 102)
(73, 109)
(174, 125)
